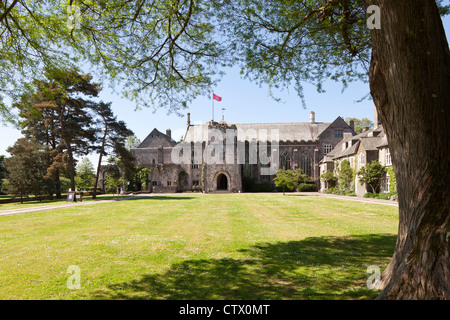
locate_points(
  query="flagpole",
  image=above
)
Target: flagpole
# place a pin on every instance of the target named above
(212, 98)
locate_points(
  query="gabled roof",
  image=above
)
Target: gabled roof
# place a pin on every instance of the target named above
(369, 140)
(156, 139)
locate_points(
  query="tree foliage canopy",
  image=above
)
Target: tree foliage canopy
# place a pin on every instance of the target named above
(27, 168)
(345, 175)
(289, 179)
(372, 173)
(85, 174)
(57, 111)
(167, 52)
(360, 124)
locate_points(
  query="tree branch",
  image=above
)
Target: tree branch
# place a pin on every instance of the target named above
(6, 12)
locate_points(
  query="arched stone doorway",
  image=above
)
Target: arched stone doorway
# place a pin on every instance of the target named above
(222, 182)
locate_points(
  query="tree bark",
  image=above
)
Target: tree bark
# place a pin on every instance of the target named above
(71, 164)
(58, 185)
(410, 84)
(102, 149)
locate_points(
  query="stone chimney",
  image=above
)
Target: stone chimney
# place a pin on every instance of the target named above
(188, 119)
(312, 117)
(352, 125)
(169, 133)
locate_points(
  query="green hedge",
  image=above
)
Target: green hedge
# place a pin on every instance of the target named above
(261, 187)
(307, 187)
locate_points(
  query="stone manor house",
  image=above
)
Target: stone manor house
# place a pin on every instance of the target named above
(286, 145)
(359, 150)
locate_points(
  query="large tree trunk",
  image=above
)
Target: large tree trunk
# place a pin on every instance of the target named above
(410, 85)
(58, 185)
(102, 149)
(70, 164)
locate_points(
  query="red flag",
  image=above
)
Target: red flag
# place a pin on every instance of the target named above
(216, 97)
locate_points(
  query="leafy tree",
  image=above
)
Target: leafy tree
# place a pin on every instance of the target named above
(31, 33)
(284, 179)
(300, 177)
(124, 160)
(114, 133)
(329, 178)
(345, 175)
(2, 171)
(113, 179)
(84, 174)
(132, 142)
(57, 113)
(360, 124)
(27, 169)
(372, 173)
(121, 168)
(289, 179)
(141, 176)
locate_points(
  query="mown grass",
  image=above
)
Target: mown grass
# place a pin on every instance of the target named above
(197, 246)
(62, 201)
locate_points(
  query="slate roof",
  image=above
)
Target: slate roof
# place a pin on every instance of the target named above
(383, 142)
(370, 140)
(151, 138)
(295, 131)
(371, 143)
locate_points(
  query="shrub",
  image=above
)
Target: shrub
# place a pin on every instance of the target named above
(262, 187)
(249, 185)
(285, 180)
(372, 173)
(331, 190)
(349, 193)
(329, 178)
(392, 181)
(306, 187)
(384, 196)
(345, 175)
(369, 195)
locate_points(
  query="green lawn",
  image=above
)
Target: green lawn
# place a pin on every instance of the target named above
(196, 246)
(62, 201)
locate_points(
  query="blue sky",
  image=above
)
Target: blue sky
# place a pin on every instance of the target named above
(244, 101)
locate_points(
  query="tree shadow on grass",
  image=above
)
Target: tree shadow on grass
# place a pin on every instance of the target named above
(313, 268)
(149, 197)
